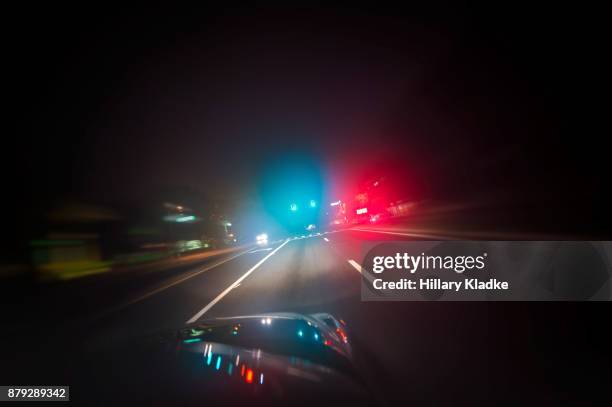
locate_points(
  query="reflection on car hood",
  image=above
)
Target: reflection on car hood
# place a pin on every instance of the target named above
(312, 336)
(274, 356)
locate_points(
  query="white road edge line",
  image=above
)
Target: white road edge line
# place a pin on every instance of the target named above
(232, 286)
(182, 279)
(267, 249)
(326, 239)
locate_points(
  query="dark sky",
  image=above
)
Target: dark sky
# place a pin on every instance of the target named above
(460, 102)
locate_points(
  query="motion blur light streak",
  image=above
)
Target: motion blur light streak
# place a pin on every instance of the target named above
(183, 219)
(342, 334)
(218, 365)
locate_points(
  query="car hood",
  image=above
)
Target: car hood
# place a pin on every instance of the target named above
(269, 353)
(273, 358)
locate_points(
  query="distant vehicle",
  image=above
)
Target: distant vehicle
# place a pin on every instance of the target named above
(262, 239)
(338, 224)
(379, 217)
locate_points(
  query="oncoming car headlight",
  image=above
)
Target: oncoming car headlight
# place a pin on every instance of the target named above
(262, 239)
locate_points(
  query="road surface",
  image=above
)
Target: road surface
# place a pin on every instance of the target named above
(423, 351)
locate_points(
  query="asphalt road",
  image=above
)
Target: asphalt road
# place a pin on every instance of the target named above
(411, 352)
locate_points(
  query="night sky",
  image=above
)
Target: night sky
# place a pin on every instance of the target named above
(458, 103)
